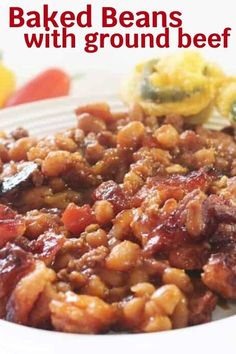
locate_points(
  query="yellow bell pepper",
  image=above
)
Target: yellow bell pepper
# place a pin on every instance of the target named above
(7, 83)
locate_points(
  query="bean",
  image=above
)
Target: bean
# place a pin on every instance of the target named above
(167, 136)
(131, 135)
(123, 256)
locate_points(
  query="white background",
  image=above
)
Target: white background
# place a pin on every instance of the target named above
(105, 67)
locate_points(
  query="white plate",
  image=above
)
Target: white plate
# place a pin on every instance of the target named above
(46, 117)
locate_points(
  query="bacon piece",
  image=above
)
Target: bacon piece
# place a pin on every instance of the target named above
(45, 247)
(225, 235)
(182, 231)
(176, 186)
(220, 273)
(200, 179)
(14, 264)
(113, 193)
(190, 257)
(170, 229)
(11, 225)
(221, 209)
(163, 241)
(216, 211)
(201, 305)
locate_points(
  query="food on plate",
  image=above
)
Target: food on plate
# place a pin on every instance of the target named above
(183, 83)
(50, 83)
(226, 100)
(125, 222)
